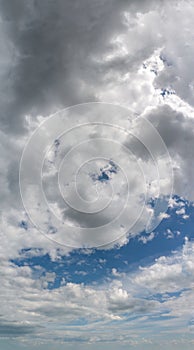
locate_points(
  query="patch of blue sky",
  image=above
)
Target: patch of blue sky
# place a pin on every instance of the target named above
(163, 317)
(79, 322)
(163, 297)
(23, 224)
(106, 172)
(167, 91)
(93, 267)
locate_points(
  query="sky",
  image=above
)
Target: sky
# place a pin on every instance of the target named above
(96, 185)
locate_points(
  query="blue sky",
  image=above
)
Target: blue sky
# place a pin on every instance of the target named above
(96, 175)
(95, 265)
(117, 268)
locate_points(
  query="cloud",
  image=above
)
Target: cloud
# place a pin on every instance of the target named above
(148, 238)
(176, 129)
(171, 273)
(16, 330)
(95, 58)
(140, 299)
(61, 53)
(42, 82)
(51, 47)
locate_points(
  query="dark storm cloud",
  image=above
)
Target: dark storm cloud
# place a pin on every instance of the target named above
(53, 42)
(51, 45)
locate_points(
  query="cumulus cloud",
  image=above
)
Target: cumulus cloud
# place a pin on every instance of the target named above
(61, 53)
(163, 288)
(69, 53)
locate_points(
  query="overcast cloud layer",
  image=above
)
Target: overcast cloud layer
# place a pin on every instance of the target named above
(136, 57)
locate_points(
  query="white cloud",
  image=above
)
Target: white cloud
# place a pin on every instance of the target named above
(127, 65)
(164, 216)
(139, 55)
(169, 234)
(95, 307)
(169, 274)
(180, 211)
(148, 238)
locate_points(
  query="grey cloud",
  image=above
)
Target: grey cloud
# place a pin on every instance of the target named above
(15, 330)
(177, 131)
(51, 58)
(132, 306)
(173, 127)
(52, 45)
(53, 42)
